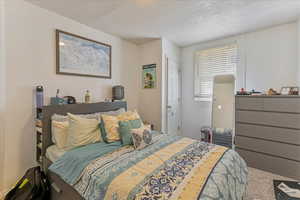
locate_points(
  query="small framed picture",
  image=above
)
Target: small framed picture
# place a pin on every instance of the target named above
(289, 91)
(149, 76)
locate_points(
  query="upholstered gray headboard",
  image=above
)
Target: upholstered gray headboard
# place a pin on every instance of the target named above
(48, 111)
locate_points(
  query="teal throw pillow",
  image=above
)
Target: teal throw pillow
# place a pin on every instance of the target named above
(125, 130)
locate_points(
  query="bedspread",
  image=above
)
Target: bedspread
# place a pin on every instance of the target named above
(173, 167)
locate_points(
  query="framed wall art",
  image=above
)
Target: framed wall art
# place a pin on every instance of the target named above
(79, 56)
(149, 76)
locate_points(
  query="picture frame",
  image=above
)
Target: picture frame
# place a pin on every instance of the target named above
(149, 76)
(80, 56)
(289, 90)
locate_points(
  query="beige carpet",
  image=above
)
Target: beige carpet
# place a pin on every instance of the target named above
(260, 185)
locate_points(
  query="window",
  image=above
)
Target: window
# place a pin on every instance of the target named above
(209, 63)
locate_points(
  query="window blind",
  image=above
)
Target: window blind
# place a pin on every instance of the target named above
(209, 63)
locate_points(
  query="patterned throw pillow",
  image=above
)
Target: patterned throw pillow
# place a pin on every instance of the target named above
(110, 125)
(141, 137)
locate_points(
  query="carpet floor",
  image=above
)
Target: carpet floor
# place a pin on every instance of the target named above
(260, 185)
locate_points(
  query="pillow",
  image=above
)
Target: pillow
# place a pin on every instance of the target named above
(141, 137)
(82, 131)
(61, 118)
(60, 133)
(125, 130)
(110, 125)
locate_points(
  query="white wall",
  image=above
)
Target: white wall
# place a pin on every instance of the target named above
(268, 59)
(30, 60)
(298, 52)
(272, 57)
(150, 99)
(2, 95)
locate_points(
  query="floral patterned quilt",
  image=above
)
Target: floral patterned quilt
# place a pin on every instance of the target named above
(173, 167)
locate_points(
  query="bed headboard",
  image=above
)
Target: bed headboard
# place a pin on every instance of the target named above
(48, 111)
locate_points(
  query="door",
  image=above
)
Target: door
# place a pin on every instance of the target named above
(173, 97)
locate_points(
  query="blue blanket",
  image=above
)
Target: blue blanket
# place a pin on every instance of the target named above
(72, 163)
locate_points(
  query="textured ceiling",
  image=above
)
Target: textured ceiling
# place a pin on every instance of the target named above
(182, 21)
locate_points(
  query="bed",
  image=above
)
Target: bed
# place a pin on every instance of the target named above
(172, 167)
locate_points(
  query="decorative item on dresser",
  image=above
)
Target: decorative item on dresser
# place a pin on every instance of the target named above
(268, 133)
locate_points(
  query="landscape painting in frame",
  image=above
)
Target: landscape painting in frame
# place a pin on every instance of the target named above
(76, 55)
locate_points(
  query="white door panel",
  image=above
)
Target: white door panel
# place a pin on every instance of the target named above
(173, 95)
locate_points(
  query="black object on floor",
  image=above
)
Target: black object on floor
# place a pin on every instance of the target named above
(33, 186)
(280, 195)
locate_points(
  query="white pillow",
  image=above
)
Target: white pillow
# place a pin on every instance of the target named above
(60, 133)
(82, 131)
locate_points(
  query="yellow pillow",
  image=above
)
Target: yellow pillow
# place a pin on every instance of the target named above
(60, 133)
(82, 131)
(111, 124)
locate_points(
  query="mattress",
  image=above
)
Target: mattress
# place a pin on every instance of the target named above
(172, 167)
(53, 153)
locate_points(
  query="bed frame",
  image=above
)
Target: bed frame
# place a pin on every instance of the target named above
(59, 189)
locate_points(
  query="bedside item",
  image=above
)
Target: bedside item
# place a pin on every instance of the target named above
(57, 92)
(108, 100)
(57, 101)
(39, 96)
(118, 93)
(87, 97)
(289, 91)
(70, 100)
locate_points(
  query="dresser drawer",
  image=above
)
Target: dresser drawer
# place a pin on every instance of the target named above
(274, 148)
(272, 164)
(285, 120)
(282, 105)
(271, 133)
(248, 103)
